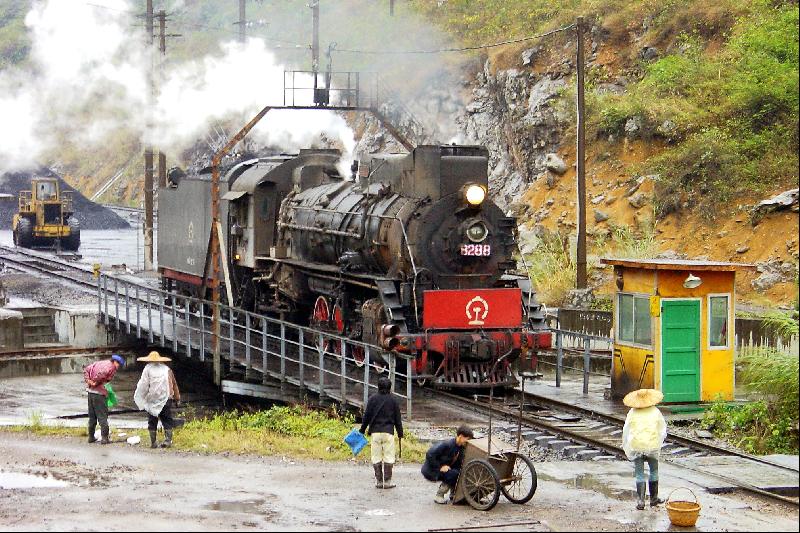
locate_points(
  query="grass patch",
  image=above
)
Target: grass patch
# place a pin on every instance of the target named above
(299, 432)
(631, 243)
(770, 424)
(552, 266)
(552, 269)
(296, 431)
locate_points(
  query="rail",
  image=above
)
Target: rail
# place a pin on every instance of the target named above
(330, 365)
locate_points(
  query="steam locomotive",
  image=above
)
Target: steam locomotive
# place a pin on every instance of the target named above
(407, 253)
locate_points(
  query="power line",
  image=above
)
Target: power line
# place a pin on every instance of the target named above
(462, 49)
(198, 26)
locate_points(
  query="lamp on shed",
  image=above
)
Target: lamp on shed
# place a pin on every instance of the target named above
(692, 282)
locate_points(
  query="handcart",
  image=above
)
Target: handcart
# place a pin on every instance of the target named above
(491, 466)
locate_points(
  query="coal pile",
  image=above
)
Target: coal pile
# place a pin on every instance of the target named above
(92, 216)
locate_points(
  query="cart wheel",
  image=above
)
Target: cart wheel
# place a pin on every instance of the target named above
(523, 482)
(481, 485)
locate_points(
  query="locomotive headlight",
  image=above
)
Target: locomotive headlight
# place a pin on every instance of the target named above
(477, 232)
(475, 195)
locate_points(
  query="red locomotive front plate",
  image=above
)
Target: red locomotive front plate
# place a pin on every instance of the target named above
(472, 309)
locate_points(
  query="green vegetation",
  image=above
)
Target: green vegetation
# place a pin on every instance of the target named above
(730, 116)
(551, 269)
(14, 42)
(639, 243)
(770, 424)
(722, 96)
(552, 265)
(298, 432)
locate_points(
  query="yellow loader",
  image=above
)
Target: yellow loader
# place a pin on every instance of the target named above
(45, 217)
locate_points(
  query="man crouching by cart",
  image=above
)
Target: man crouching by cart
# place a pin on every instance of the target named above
(443, 463)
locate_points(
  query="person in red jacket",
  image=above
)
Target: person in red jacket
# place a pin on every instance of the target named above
(96, 375)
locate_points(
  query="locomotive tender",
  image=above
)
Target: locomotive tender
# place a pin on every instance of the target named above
(408, 253)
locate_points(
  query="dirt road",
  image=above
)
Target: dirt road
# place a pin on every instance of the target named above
(118, 487)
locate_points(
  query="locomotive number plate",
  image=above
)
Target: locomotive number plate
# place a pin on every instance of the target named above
(481, 250)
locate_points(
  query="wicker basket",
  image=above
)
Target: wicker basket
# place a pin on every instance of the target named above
(683, 513)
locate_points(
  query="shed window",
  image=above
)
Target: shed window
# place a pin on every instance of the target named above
(634, 319)
(718, 321)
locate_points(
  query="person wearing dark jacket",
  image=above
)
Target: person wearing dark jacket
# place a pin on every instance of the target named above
(382, 417)
(443, 462)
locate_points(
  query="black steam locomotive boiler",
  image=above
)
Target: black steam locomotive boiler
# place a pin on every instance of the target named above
(407, 253)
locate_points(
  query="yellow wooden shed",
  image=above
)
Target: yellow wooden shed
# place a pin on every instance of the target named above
(674, 328)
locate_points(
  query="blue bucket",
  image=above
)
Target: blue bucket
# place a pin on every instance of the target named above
(356, 441)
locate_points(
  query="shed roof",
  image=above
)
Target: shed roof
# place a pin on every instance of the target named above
(676, 264)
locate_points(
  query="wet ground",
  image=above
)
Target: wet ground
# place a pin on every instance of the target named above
(107, 247)
(57, 399)
(112, 487)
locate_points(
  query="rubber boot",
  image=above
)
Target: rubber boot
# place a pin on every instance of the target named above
(387, 476)
(654, 499)
(377, 467)
(167, 439)
(641, 492)
(104, 436)
(92, 429)
(153, 435)
(442, 493)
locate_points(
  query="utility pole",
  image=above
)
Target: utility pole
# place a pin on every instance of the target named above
(242, 22)
(315, 39)
(391, 8)
(162, 47)
(581, 166)
(148, 149)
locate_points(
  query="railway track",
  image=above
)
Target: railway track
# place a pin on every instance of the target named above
(80, 275)
(584, 434)
(24, 260)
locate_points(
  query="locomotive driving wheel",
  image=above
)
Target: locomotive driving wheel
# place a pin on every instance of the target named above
(320, 317)
(335, 346)
(330, 319)
(481, 485)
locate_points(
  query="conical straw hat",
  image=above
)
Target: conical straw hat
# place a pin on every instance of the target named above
(154, 357)
(639, 399)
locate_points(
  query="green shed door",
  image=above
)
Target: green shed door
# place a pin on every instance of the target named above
(680, 350)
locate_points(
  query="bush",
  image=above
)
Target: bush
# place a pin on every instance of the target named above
(756, 427)
(775, 375)
(770, 424)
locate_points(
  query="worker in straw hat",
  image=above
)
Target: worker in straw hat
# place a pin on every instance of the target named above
(642, 438)
(155, 393)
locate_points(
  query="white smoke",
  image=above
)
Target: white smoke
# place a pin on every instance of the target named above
(88, 59)
(243, 80)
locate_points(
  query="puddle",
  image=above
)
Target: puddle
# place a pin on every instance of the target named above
(14, 480)
(241, 506)
(590, 482)
(379, 512)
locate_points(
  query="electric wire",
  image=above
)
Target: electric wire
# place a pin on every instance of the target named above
(461, 49)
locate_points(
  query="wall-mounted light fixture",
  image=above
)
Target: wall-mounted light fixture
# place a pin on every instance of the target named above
(692, 282)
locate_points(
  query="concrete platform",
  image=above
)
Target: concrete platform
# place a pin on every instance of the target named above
(571, 392)
(765, 477)
(598, 398)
